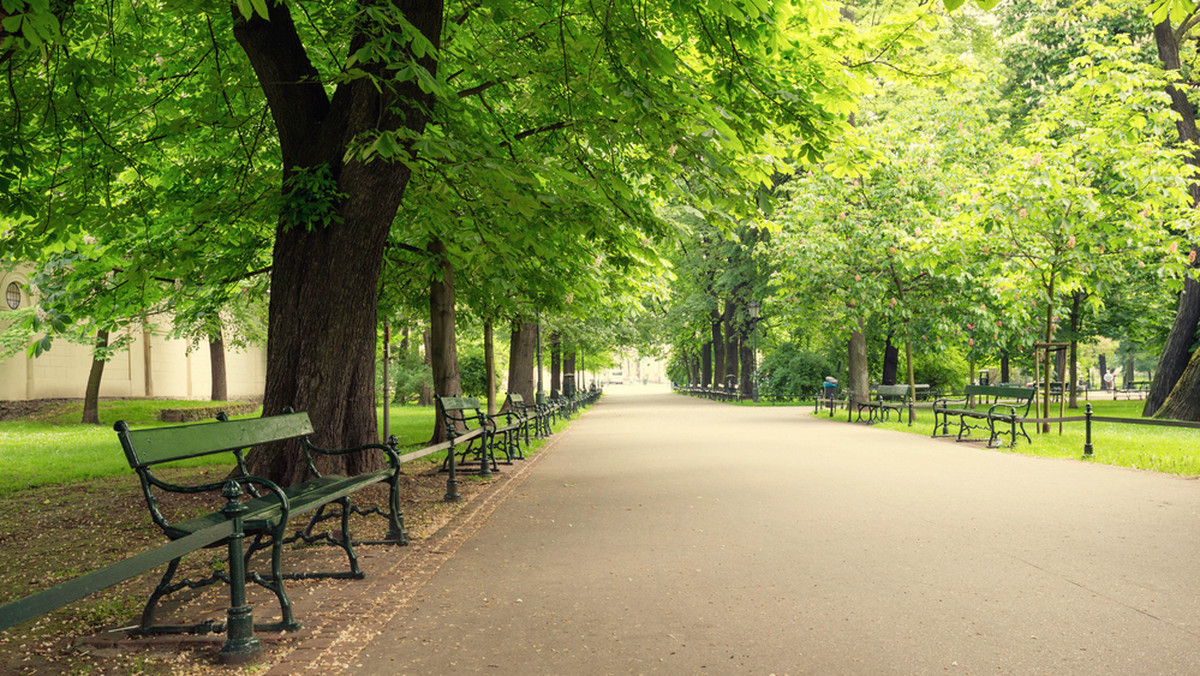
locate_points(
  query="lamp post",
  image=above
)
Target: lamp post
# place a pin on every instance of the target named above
(754, 310)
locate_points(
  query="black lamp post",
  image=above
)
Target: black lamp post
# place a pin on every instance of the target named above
(754, 310)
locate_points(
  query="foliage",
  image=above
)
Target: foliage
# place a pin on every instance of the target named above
(793, 372)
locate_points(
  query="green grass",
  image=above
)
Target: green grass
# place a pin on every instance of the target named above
(57, 449)
(1158, 449)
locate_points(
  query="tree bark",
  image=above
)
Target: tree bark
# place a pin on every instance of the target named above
(522, 347)
(1004, 374)
(718, 350)
(1184, 401)
(1102, 361)
(216, 359)
(425, 394)
(860, 382)
(732, 340)
(706, 364)
(568, 367)
(555, 364)
(91, 396)
(324, 276)
(443, 346)
(746, 384)
(489, 365)
(1175, 356)
(147, 358)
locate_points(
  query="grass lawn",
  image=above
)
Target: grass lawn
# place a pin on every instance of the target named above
(1159, 449)
(55, 448)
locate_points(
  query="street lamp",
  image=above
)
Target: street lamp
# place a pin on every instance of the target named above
(754, 310)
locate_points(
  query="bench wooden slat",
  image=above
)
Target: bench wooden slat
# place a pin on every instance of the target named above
(151, 446)
(459, 403)
(263, 513)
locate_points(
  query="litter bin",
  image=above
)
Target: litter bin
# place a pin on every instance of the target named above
(829, 392)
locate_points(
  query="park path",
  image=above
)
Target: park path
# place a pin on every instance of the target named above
(665, 534)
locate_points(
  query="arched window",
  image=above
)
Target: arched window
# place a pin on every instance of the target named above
(13, 295)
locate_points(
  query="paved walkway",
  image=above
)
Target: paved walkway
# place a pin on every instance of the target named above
(670, 535)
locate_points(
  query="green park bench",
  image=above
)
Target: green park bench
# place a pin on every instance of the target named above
(1006, 405)
(524, 415)
(472, 429)
(265, 513)
(885, 400)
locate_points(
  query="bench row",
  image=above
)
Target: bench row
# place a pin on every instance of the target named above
(261, 511)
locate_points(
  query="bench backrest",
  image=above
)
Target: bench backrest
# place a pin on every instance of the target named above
(516, 399)
(459, 403)
(892, 391)
(144, 448)
(999, 392)
(1019, 396)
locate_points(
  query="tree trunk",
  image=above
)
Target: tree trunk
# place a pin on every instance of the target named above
(489, 365)
(859, 382)
(568, 367)
(147, 358)
(325, 364)
(732, 340)
(1129, 376)
(747, 370)
(1004, 374)
(91, 397)
(443, 346)
(1184, 401)
(891, 362)
(718, 350)
(425, 394)
(1102, 362)
(216, 359)
(1175, 357)
(555, 364)
(706, 365)
(522, 348)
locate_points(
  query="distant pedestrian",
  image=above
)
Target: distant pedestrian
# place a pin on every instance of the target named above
(1108, 380)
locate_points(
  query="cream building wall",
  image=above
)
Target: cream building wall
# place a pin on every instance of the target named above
(62, 371)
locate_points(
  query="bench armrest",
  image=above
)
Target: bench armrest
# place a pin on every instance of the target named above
(1012, 410)
(944, 402)
(389, 450)
(285, 505)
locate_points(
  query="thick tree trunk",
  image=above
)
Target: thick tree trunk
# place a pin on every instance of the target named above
(443, 346)
(216, 359)
(91, 396)
(1129, 376)
(1102, 362)
(706, 365)
(747, 381)
(568, 367)
(324, 276)
(732, 340)
(1184, 401)
(522, 348)
(718, 350)
(859, 383)
(1175, 356)
(891, 362)
(555, 364)
(1004, 374)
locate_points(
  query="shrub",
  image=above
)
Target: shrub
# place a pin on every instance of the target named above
(792, 372)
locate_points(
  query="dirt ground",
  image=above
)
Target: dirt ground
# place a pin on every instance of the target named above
(52, 534)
